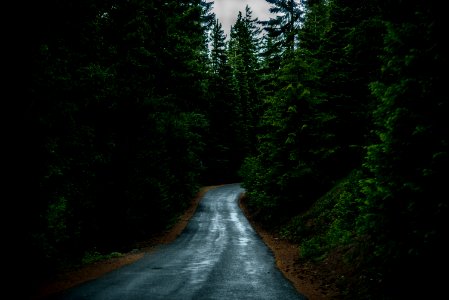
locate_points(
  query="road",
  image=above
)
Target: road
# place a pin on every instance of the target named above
(218, 256)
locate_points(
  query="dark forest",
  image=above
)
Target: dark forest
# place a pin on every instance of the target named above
(333, 116)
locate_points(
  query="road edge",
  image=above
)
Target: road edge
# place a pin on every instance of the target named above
(286, 255)
(72, 278)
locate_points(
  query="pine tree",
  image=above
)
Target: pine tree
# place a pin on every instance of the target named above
(403, 210)
(117, 91)
(223, 157)
(283, 29)
(243, 55)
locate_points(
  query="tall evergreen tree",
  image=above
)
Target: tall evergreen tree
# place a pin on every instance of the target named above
(284, 28)
(243, 55)
(223, 157)
(347, 64)
(270, 63)
(403, 211)
(117, 90)
(292, 142)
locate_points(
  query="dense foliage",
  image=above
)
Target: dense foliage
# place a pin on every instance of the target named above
(353, 147)
(118, 123)
(334, 117)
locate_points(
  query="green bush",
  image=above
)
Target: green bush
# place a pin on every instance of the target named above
(94, 256)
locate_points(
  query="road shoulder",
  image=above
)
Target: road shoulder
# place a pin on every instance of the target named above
(74, 277)
(304, 277)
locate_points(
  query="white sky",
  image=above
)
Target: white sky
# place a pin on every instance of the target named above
(227, 11)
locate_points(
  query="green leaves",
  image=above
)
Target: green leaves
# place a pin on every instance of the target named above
(58, 219)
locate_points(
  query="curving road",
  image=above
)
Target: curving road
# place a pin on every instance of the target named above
(218, 256)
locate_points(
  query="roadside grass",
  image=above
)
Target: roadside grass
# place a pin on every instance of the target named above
(95, 256)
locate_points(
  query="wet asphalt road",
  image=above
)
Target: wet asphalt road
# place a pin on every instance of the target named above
(218, 256)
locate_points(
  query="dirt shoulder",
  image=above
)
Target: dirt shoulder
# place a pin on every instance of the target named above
(310, 280)
(75, 277)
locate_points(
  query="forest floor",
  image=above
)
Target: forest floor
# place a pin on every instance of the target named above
(316, 282)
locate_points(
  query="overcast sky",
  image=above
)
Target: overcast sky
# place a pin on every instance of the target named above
(227, 11)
